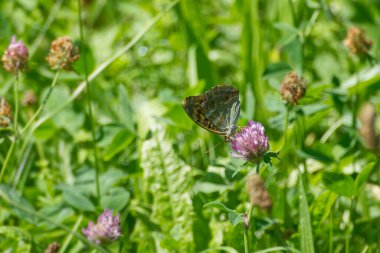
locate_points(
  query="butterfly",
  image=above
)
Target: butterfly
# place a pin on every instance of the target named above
(217, 110)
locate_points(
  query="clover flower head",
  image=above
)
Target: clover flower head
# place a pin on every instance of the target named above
(292, 88)
(250, 143)
(15, 58)
(63, 53)
(106, 229)
(357, 42)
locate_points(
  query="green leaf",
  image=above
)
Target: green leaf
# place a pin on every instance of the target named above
(233, 216)
(276, 69)
(116, 199)
(339, 183)
(121, 140)
(307, 241)
(294, 50)
(46, 131)
(11, 194)
(77, 200)
(167, 180)
(362, 177)
(290, 33)
(218, 205)
(267, 158)
(125, 112)
(56, 212)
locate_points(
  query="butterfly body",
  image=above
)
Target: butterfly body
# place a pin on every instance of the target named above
(217, 110)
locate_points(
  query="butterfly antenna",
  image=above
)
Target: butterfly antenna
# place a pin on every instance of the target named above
(217, 145)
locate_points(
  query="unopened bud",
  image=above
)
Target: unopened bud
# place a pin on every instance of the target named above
(52, 248)
(257, 192)
(357, 42)
(367, 129)
(29, 98)
(5, 114)
(246, 223)
(63, 53)
(292, 88)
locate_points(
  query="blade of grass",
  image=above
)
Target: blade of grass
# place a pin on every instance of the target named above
(193, 28)
(89, 106)
(307, 242)
(69, 237)
(52, 14)
(251, 56)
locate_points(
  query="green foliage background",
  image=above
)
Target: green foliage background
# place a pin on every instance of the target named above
(158, 168)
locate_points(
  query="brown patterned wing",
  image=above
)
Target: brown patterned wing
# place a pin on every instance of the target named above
(222, 107)
(217, 110)
(194, 107)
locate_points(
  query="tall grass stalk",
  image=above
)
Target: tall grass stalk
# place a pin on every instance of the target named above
(251, 54)
(15, 130)
(89, 99)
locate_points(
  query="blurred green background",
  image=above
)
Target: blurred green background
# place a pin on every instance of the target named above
(158, 168)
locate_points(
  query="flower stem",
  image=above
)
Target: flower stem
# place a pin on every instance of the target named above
(348, 231)
(331, 233)
(90, 111)
(246, 243)
(15, 125)
(43, 103)
(286, 126)
(246, 229)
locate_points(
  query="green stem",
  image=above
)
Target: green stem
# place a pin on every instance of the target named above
(70, 236)
(348, 231)
(43, 103)
(15, 125)
(286, 126)
(246, 243)
(43, 217)
(90, 111)
(331, 233)
(246, 229)
(7, 158)
(16, 107)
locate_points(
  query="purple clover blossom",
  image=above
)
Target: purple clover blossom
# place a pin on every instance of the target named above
(106, 229)
(250, 143)
(15, 58)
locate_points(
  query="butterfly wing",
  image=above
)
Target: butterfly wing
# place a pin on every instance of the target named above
(194, 107)
(217, 110)
(222, 108)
